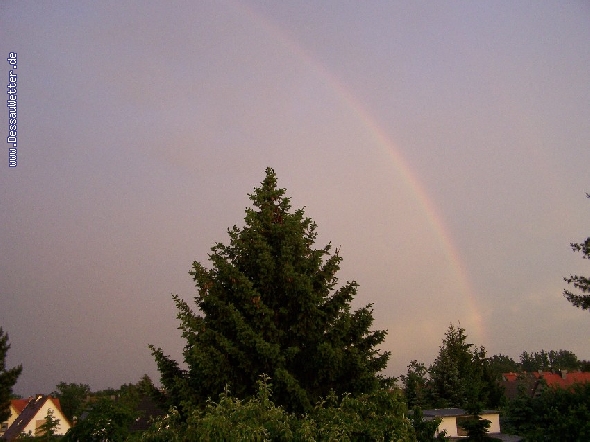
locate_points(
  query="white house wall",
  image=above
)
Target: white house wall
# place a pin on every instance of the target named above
(494, 418)
(61, 429)
(448, 423)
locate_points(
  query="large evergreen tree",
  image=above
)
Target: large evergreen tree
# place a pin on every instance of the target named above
(581, 283)
(270, 304)
(461, 376)
(8, 377)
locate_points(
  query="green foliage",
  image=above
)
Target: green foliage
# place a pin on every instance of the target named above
(72, 398)
(453, 370)
(581, 283)
(416, 385)
(371, 417)
(8, 377)
(270, 305)
(461, 376)
(477, 428)
(555, 415)
(131, 394)
(105, 420)
(48, 429)
(425, 430)
(503, 364)
(547, 361)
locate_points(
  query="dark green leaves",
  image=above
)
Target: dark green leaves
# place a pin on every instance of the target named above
(581, 283)
(269, 304)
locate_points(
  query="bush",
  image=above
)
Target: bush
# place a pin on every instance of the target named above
(557, 414)
(477, 428)
(372, 417)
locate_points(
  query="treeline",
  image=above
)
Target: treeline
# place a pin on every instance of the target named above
(274, 351)
(462, 376)
(553, 360)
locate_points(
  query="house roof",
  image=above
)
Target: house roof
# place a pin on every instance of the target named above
(531, 381)
(148, 410)
(563, 379)
(32, 407)
(19, 404)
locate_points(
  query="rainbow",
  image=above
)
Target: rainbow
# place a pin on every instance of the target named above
(389, 148)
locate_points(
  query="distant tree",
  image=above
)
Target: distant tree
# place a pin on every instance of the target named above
(270, 305)
(106, 420)
(557, 414)
(503, 364)
(581, 283)
(73, 398)
(8, 377)
(47, 430)
(146, 386)
(548, 361)
(563, 360)
(534, 361)
(461, 376)
(415, 385)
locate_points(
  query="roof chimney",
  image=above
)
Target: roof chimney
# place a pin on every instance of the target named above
(563, 374)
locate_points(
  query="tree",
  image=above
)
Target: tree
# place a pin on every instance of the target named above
(580, 282)
(477, 428)
(73, 398)
(106, 420)
(548, 361)
(8, 377)
(377, 416)
(270, 305)
(556, 414)
(426, 429)
(47, 430)
(461, 376)
(503, 364)
(415, 385)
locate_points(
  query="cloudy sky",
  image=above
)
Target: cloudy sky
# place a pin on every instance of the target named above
(444, 147)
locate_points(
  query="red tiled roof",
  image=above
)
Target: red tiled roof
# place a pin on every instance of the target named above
(18, 426)
(532, 381)
(510, 377)
(19, 404)
(32, 406)
(57, 404)
(567, 380)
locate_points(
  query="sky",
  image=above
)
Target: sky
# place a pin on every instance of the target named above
(442, 146)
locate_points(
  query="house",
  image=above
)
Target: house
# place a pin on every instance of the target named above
(451, 420)
(33, 416)
(148, 409)
(532, 384)
(16, 407)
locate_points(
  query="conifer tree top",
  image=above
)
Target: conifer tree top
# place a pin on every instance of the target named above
(268, 304)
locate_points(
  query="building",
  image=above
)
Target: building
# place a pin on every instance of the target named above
(16, 407)
(451, 420)
(33, 415)
(532, 384)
